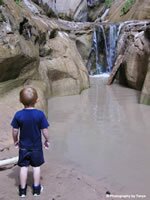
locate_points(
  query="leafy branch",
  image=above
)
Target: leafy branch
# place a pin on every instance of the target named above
(108, 3)
(127, 6)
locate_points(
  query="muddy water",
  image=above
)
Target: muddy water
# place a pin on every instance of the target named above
(104, 133)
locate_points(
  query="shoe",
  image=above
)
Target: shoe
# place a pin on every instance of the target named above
(22, 192)
(37, 190)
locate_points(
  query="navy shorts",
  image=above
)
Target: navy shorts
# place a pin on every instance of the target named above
(35, 158)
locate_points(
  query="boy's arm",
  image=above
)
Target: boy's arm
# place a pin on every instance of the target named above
(15, 136)
(46, 136)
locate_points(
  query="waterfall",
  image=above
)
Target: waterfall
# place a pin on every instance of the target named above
(96, 47)
(103, 48)
(111, 46)
(95, 61)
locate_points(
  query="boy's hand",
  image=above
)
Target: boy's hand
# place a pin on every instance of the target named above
(16, 144)
(46, 144)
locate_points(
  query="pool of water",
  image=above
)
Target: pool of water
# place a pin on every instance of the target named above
(104, 133)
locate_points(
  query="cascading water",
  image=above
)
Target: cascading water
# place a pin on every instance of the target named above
(96, 61)
(103, 51)
(111, 46)
(97, 40)
(95, 47)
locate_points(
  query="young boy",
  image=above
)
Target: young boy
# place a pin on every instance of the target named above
(29, 123)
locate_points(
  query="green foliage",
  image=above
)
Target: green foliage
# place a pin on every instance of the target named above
(1, 2)
(17, 1)
(108, 3)
(127, 6)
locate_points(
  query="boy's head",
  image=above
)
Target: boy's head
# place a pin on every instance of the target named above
(28, 96)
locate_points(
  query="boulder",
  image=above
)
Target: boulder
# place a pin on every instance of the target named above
(63, 70)
(83, 43)
(145, 94)
(134, 50)
(136, 62)
(18, 57)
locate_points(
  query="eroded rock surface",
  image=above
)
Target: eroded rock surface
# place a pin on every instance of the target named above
(71, 10)
(134, 46)
(63, 70)
(140, 10)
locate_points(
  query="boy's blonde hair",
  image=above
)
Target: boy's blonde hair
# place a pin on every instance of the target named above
(28, 96)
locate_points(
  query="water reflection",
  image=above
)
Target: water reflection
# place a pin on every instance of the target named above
(105, 133)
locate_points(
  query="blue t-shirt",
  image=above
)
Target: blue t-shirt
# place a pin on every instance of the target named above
(30, 122)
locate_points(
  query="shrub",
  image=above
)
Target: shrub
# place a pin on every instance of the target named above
(108, 3)
(127, 6)
(1, 2)
(17, 1)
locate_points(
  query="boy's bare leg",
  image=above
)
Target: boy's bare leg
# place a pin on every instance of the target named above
(23, 176)
(36, 175)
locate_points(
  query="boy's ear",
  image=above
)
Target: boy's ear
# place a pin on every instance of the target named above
(37, 100)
